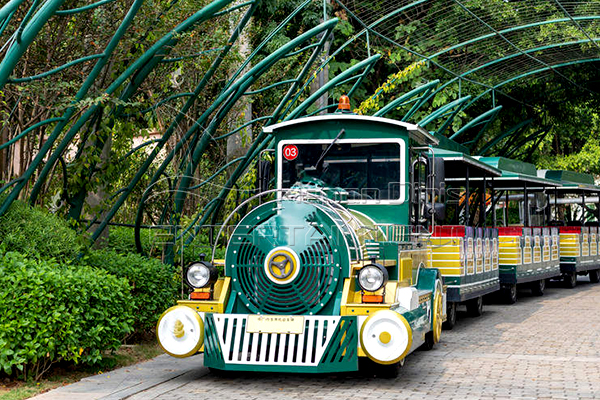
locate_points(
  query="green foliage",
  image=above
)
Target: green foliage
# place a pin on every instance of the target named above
(54, 312)
(37, 233)
(122, 240)
(152, 284)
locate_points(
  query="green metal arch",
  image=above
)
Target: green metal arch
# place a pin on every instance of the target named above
(512, 29)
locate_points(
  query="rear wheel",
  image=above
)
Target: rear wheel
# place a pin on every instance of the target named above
(475, 306)
(538, 287)
(509, 293)
(450, 316)
(595, 275)
(570, 279)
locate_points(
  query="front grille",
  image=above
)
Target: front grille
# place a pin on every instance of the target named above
(308, 293)
(325, 340)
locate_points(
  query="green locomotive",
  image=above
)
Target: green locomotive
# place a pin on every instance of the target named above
(333, 269)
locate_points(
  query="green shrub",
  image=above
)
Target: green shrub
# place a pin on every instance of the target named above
(54, 312)
(38, 233)
(154, 285)
(122, 240)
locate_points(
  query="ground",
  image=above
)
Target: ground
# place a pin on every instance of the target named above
(540, 347)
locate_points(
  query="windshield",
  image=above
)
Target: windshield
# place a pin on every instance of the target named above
(367, 171)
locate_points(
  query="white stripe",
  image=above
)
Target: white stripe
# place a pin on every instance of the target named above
(474, 283)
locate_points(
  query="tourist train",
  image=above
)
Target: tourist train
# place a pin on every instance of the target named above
(373, 233)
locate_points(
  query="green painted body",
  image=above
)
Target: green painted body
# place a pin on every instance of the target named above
(312, 227)
(523, 273)
(391, 214)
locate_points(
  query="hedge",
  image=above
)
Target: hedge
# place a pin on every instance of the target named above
(38, 233)
(153, 285)
(54, 312)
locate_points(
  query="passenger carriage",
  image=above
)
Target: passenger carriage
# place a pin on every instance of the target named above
(463, 246)
(578, 236)
(526, 244)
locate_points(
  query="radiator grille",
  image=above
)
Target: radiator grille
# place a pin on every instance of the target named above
(326, 339)
(306, 294)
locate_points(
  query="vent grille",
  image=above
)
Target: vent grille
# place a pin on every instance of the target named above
(307, 294)
(325, 340)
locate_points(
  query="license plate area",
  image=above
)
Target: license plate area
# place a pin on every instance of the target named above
(289, 324)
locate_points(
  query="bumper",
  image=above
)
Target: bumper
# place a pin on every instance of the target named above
(327, 344)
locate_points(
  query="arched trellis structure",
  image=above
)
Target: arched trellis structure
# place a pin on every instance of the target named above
(480, 48)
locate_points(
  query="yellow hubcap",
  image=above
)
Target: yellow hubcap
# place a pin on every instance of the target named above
(178, 330)
(385, 337)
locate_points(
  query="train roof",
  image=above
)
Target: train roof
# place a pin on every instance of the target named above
(516, 174)
(456, 163)
(419, 134)
(570, 180)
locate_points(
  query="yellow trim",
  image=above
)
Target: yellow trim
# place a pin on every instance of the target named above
(219, 262)
(408, 346)
(437, 316)
(291, 270)
(200, 342)
(222, 288)
(385, 337)
(385, 263)
(352, 300)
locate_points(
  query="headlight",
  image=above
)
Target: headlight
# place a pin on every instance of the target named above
(200, 275)
(372, 277)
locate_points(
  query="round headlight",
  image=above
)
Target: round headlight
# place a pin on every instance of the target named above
(372, 277)
(200, 275)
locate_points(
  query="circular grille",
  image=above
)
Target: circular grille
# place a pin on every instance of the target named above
(318, 277)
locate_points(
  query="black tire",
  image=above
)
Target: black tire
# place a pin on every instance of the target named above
(450, 316)
(429, 342)
(475, 306)
(570, 280)
(594, 275)
(509, 293)
(370, 368)
(221, 373)
(538, 287)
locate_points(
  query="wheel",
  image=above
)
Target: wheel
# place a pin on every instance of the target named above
(570, 280)
(595, 275)
(429, 342)
(509, 293)
(538, 287)
(221, 373)
(438, 311)
(450, 316)
(475, 307)
(371, 368)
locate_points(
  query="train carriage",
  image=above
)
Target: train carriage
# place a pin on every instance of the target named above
(578, 235)
(462, 247)
(525, 250)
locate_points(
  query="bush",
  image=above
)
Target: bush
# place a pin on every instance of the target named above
(54, 312)
(37, 233)
(153, 285)
(122, 240)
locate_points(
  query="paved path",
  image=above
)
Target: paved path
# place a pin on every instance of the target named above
(539, 348)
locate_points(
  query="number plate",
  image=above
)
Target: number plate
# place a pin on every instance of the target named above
(275, 324)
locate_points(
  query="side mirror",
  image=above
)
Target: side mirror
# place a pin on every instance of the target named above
(437, 173)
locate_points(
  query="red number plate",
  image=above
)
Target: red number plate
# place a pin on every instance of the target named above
(290, 152)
